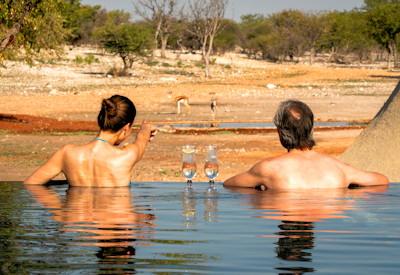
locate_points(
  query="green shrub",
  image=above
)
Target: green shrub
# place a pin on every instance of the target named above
(151, 63)
(89, 59)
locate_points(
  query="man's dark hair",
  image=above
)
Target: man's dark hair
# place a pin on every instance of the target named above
(295, 121)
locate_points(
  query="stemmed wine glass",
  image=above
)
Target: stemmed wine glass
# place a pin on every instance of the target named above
(189, 163)
(211, 166)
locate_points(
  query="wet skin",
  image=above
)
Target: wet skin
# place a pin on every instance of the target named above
(304, 169)
(100, 163)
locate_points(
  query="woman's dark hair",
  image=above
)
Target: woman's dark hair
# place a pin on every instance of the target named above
(115, 113)
(295, 121)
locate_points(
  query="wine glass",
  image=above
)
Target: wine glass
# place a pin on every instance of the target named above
(211, 165)
(189, 163)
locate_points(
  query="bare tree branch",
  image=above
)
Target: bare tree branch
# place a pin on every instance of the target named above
(160, 14)
(206, 17)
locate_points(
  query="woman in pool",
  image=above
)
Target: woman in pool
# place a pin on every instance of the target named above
(101, 163)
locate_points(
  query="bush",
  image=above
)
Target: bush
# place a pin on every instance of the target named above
(151, 63)
(89, 59)
(114, 71)
(164, 64)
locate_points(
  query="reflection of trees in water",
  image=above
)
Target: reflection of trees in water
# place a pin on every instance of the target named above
(10, 218)
(296, 239)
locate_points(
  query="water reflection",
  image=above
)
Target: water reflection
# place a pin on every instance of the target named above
(189, 211)
(298, 213)
(99, 217)
(211, 205)
(189, 206)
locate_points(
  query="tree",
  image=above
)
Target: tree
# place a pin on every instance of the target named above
(312, 32)
(80, 20)
(30, 24)
(253, 26)
(206, 17)
(344, 33)
(370, 4)
(130, 41)
(288, 27)
(384, 24)
(228, 38)
(161, 14)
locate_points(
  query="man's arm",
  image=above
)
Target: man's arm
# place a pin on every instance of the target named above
(363, 178)
(49, 170)
(249, 179)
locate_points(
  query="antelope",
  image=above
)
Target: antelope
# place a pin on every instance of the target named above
(182, 100)
(213, 106)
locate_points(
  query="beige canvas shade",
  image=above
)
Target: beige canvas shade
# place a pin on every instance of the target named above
(377, 148)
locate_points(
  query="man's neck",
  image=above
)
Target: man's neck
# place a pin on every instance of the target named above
(299, 151)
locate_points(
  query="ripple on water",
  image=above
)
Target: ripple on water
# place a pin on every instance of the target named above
(161, 228)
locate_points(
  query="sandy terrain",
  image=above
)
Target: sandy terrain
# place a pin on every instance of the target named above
(65, 91)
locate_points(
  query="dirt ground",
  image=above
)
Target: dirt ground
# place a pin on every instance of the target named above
(69, 96)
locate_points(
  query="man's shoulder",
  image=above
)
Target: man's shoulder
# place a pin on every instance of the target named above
(266, 165)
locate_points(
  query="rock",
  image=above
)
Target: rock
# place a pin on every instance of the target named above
(166, 129)
(53, 92)
(168, 79)
(377, 147)
(271, 86)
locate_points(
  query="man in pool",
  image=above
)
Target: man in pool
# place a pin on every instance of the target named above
(301, 167)
(101, 163)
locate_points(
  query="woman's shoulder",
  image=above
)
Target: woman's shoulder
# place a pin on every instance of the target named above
(68, 147)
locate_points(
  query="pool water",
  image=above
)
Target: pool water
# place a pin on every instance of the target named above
(163, 228)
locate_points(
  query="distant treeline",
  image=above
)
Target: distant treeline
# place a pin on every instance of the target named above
(369, 34)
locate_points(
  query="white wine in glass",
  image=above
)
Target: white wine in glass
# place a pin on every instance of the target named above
(211, 168)
(189, 163)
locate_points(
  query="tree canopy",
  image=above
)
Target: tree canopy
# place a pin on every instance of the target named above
(370, 4)
(128, 40)
(30, 24)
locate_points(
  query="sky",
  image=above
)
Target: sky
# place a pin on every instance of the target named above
(237, 8)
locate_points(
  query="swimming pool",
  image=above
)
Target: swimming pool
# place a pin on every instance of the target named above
(161, 228)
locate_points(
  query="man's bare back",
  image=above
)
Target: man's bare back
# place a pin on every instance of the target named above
(304, 170)
(301, 167)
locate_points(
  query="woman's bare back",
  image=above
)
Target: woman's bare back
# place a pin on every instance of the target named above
(98, 164)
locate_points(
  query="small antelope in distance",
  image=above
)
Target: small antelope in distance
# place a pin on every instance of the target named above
(213, 106)
(182, 100)
(179, 101)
